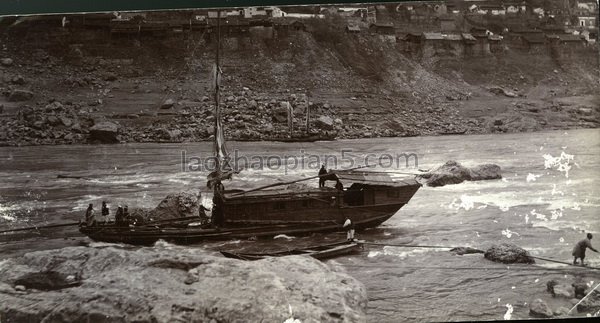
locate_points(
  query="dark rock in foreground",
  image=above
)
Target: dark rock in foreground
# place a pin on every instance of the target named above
(453, 172)
(168, 283)
(508, 254)
(591, 303)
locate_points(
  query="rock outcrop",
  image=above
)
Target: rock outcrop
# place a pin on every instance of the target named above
(539, 309)
(105, 132)
(20, 95)
(177, 205)
(591, 303)
(508, 254)
(453, 172)
(324, 122)
(168, 283)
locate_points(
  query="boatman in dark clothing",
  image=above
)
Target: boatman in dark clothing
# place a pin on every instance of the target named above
(339, 186)
(89, 215)
(322, 173)
(120, 215)
(579, 249)
(349, 226)
(105, 211)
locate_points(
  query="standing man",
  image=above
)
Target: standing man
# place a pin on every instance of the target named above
(579, 249)
(105, 211)
(322, 173)
(120, 215)
(89, 215)
(349, 226)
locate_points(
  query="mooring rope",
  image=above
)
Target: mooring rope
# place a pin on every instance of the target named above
(471, 250)
(451, 268)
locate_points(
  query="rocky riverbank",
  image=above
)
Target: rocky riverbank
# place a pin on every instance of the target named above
(95, 89)
(168, 283)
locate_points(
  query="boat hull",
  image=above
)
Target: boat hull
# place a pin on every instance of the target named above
(319, 252)
(149, 235)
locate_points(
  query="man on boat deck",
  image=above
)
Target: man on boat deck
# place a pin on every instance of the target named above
(579, 249)
(322, 172)
(89, 215)
(105, 211)
(349, 226)
(120, 215)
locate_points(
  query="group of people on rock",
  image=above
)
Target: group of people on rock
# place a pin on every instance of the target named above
(121, 217)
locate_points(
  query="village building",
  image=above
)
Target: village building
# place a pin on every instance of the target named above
(410, 43)
(448, 45)
(533, 42)
(470, 45)
(447, 23)
(495, 42)
(587, 14)
(352, 29)
(383, 28)
(487, 8)
(512, 8)
(482, 45)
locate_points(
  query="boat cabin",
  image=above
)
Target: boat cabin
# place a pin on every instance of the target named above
(363, 195)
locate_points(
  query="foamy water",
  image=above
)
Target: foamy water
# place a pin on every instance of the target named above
(546, 201)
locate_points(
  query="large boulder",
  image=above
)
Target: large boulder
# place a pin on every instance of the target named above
(168, 283)
(177, 205)
(280, 114)
(485, 172)
(324, 122)
(453, 172)
(509, 254)
(105, 132)
(20, 95)
(167, 104)
(6, 61)
(564, 290)
(538, 308)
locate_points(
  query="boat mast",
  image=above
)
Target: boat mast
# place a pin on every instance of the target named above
(217, 94)
(222, 167)
(308, 118)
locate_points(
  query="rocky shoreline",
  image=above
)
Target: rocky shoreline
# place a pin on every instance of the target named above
(98, 105)
(246, 119)
(167, 283)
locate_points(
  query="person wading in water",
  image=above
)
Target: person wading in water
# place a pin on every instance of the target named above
(579, 249)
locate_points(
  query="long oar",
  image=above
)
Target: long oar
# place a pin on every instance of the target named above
(296, 181)
(41, 227)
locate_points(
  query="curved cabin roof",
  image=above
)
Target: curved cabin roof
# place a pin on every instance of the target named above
(372, 178)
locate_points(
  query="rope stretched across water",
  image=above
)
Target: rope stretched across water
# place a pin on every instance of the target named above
(471, 250)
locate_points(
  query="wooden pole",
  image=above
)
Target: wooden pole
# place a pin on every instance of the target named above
(295, 181)
(41, 227)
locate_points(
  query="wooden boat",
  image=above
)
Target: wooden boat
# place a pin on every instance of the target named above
(319, 252)
(368, 200)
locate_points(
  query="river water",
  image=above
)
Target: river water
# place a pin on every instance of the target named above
(546, 201)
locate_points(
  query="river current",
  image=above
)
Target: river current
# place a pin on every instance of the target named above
(547, 199)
